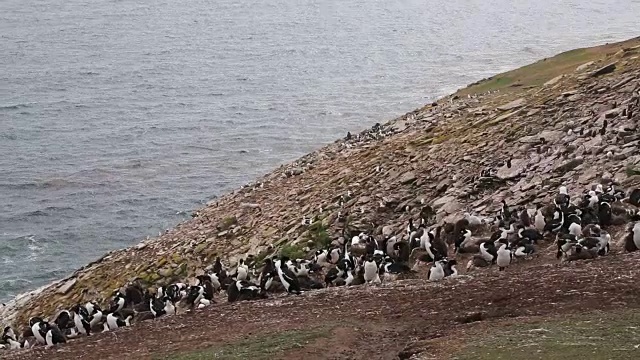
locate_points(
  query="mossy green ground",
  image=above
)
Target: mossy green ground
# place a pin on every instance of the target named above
(544, 70)
(592, 336)
(271, 346)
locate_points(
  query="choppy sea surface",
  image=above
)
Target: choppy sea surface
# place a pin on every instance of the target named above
(118, 117)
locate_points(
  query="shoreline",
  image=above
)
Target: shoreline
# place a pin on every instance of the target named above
(222, 223)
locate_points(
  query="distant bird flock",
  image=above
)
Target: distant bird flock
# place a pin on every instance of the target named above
(578, 227)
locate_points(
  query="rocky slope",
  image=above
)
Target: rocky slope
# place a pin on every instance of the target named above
(545, 120)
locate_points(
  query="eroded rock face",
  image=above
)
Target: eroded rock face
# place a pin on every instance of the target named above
(459, 154)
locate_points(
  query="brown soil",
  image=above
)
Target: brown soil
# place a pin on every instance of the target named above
(399, 320)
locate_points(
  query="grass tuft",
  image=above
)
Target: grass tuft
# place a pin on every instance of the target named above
(292, 251)
(271, 346)
(602, 335)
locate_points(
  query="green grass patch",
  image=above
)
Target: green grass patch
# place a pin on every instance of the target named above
(632, 170)
(538, 73)
(292, 251)
(592, 336)
(319, 235)
(271, 346)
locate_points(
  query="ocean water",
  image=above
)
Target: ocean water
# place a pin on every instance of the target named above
(119, 117)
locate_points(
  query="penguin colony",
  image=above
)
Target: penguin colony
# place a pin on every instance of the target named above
(578, 227)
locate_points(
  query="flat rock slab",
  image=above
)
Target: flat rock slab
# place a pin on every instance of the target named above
(554, 80)
(550, 136)
(607, 69)
(408, 177)
(67, 286)
(584, 66)
(513, 105)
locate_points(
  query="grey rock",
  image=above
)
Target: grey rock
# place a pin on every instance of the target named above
(584, 66)
(518, 167)
(442, 201)
(612, 113)
(513, 105)
(443, 185)
(550, 136)
(607, 69)
(408, 177)
(554, 80)
(451, 207)
(67, 286)
(569, 165)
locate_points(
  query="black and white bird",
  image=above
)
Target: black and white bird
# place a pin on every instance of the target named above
(242, 271)
(81, 319)
(504, 257)
(118, 302)
(562, 199)
(632, 239)
(38, 328)
(488, 251)
(436, 272)
(287, 278)
(115, 321)
(53, 336)
(371, 275)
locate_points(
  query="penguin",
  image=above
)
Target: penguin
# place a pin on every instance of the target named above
(16, 345)
(371, 271)
(450, 268)
(565, 243)
(562, 199)
(247, 290)
(54, 336)
(92, 307)
(96, 318)
(531, 234)
(436, 272)
(169, 307)
(632, 239)
(81, 319)
(505, 213)
(539, 220)
(64, 320)
(462, 239)
(524, 218)
(350, 278)
(603, 247)
(114, 321)
(117, 303)
(426, 243)
(575, 229)
(38, 330)
(488, 251)
(8, 333)
(215, 281)
(242, 271)
(217, 266)
(267, 275)
(504, 257)
(524, 250)
(287, 278)
(556, 224)
(156, 306)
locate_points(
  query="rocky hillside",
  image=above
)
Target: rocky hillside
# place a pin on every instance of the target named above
(572, 119)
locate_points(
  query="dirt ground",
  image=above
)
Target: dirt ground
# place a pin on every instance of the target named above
(405, 319)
